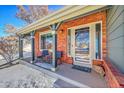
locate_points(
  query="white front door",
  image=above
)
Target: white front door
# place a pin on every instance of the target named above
(82, 47)
(83, 44)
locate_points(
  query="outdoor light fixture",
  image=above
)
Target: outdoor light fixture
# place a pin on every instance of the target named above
(61, 31)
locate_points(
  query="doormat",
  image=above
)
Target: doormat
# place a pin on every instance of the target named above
(81, 68)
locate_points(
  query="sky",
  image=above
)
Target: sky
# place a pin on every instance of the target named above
(7, 16)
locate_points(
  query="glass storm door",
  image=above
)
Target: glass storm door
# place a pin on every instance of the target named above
(82, 47)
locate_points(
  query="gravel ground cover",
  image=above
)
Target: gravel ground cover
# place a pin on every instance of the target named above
(20, 76)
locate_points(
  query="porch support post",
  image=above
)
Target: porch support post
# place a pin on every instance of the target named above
(20, 46)
(54, 59)
(32, 46)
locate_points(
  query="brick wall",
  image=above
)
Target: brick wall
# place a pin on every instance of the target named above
(37, 40)
(62, 36)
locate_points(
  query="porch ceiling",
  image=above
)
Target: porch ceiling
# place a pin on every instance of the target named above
(66, 13)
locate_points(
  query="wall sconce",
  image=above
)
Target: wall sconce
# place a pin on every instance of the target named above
(61, 31)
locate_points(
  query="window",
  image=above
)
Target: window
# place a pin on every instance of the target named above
(46, 41)
(98, 41)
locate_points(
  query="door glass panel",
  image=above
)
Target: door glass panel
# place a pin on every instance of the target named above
(82, 45)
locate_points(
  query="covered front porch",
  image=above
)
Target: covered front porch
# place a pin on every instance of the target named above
(75, 35)
(83, 46)
(76, 40)
(72, 77)
(48, 54)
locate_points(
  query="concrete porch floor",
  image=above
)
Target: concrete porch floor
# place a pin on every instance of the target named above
(92, 79)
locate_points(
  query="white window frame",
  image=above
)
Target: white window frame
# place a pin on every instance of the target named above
(44, 33)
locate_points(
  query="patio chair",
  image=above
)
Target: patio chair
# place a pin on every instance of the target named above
(48, 58)
(59, 56)
(43, 54)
